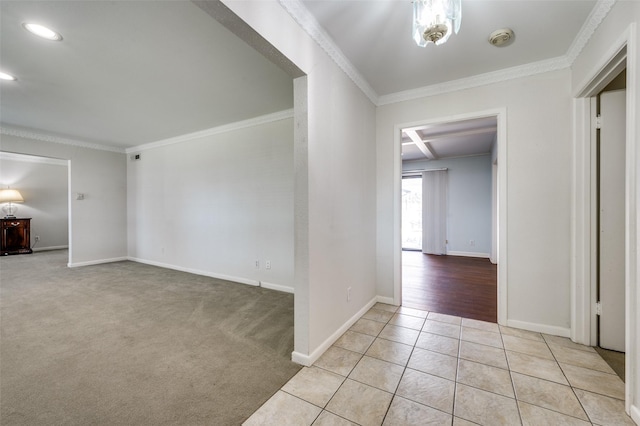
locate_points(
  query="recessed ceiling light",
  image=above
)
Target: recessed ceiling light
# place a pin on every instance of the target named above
(42, 31)
(5, 76)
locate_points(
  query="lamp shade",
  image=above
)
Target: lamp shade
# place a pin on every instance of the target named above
(10, 196)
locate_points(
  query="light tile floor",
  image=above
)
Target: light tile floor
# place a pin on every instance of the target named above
(402, 366)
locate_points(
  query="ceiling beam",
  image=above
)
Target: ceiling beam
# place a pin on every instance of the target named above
(419, 144)
(430, 148)
(478, 131)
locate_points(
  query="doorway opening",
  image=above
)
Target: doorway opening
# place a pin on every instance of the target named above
(584, 318)
(44, 183)
(449, 200)
(609, 232)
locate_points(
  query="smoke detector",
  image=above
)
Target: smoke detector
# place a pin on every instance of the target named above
(501, 37)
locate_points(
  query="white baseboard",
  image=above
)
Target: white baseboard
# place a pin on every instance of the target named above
(277, 287)
(468, 254)
(96, 262)
(49, 248)
(308, 360)
(540, 328)
(387, 300)
(635, 414)
(240, 280)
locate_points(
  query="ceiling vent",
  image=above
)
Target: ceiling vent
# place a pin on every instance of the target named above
(501, 37)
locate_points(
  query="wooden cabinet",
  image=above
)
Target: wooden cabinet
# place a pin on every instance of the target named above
(16, 236)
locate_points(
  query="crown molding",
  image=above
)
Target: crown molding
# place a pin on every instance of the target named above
(29, 134)
(310, 25)
(23, 158)
(263, 119)
(268, 118)
(597, 15)
(595, 18)
(493, 77)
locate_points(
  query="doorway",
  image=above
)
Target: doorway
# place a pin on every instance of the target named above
(461, 280)
(44, 184)
(610, 170)
(584, 320)
(610, 235)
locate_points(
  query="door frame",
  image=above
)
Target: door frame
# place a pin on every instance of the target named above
(621, 55)
(501, 201)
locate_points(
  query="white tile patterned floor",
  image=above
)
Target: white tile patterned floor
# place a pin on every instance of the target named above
(402, 366)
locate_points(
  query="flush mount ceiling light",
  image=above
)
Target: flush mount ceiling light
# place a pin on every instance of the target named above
(501, 37)
(42, 31)
(5, 76)
(435, 20)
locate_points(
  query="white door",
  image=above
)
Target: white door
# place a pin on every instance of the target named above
(612, 224)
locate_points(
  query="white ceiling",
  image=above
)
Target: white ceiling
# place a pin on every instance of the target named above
(376, 38)
(134, 72)
(130, 72)
(446, 140)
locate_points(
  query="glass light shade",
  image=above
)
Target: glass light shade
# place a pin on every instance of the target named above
(435, 20)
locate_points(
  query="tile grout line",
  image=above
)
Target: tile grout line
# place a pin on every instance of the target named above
(513, 385)
(458, 357)
(573, 390)
(406, 366)
(550, 381)
(460, 340)
(336, 392)
(455, 382)
(354, 367)
(393, 396)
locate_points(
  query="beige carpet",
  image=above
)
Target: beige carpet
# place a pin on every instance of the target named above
(132, 344)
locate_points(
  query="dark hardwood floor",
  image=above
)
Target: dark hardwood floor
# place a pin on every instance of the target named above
(454, 285)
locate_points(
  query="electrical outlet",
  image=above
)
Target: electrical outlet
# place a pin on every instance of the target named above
(37, 238)
(267, 264)
(257, 264)
(472, 243)
(349, 294)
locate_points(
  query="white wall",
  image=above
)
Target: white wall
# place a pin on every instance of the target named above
(538, 189)
(217, 204)
(98, 223)
(468, 203)
(43, 184)
(619, 25)
(336, 210)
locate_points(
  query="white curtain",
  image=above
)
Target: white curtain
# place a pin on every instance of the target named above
(434, 212)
